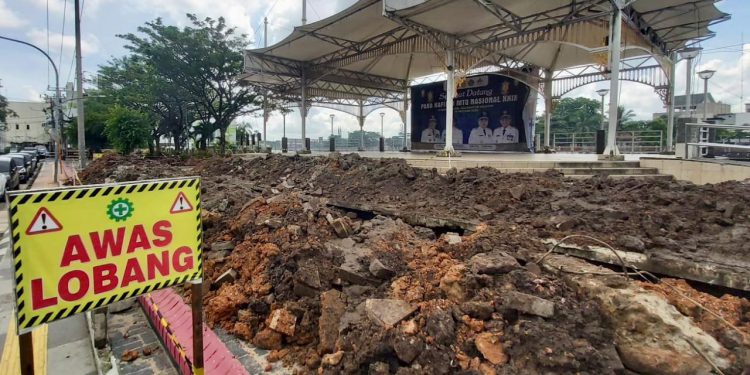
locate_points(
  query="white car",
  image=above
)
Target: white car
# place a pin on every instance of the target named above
(3, 182)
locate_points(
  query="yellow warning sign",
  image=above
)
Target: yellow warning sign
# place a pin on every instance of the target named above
(81, 248)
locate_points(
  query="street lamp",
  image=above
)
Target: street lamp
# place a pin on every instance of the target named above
(382, 134)
(689, 54)
(58, 106)
(332, 143)
(602, 93)
(705, 75)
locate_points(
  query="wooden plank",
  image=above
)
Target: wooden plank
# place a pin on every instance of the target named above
(10, 363)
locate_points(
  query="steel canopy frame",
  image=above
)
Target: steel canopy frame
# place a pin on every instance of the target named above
(356, 70)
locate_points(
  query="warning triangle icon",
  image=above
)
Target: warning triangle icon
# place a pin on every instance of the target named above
(43, 222)
(181, 204)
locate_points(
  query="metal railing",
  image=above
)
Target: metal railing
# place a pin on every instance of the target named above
(700, 139)
(629, 142)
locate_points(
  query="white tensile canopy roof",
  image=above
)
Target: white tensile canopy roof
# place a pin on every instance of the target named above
(369, 52)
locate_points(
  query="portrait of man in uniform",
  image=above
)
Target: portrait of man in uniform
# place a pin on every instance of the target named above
(481, 135)
(506, 133)
(431, 134)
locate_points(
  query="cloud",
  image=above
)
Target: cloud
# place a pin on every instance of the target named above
(89, 42)
(237, 13)
(8, 18)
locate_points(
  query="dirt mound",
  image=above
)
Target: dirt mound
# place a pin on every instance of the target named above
(349, 291)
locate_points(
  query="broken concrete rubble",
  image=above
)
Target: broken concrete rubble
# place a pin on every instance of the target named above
(493, 263)
(388, 312)
(527, 304)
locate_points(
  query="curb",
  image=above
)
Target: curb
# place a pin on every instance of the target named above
(172, 320)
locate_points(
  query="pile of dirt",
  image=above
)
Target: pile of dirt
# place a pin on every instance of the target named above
(335, 291)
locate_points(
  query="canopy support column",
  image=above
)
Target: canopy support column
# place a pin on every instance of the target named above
(547, 105)
(614, 79)
(402, 114)
(670, 105)
(361, 119)
(451, 91)
(303, 113)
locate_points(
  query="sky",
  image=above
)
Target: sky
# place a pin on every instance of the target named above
(25, 74)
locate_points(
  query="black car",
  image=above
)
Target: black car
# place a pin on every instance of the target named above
(33, 157)
(10, 169)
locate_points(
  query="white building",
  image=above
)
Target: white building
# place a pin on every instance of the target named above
(27, 126)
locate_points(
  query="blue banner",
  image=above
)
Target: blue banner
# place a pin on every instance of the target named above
(489, 115)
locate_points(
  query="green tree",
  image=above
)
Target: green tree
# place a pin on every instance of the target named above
(575, 115)
(624, 116)
(97, 112)
(4, 111)
(127, 129)
(204, 59)
(135, 83)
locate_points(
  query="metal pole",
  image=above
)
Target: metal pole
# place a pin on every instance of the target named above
(614, 79)
(451, 90)
(547, 105)
(283, 116)
(603, 118)
(265, 95)
(303, 112)
(79, 89)
(705, 99)
(670, 104)
(26, 347)
(58, 101)
(688, 88)
(304, 14)
(196, 288)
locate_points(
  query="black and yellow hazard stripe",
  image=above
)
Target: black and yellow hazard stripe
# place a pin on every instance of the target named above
(18, 198)
(170, 333)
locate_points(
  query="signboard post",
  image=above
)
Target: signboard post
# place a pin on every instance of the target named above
(79, 249)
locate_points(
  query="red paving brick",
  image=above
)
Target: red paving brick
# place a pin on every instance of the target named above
(217, 358)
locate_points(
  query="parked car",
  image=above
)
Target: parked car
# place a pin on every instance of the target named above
(28, 161)
(42, 150)
(36, 152)
(20, 166)
(9, 169)
(34, 160)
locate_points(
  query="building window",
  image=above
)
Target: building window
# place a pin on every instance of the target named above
(28, 127)
(16, 126)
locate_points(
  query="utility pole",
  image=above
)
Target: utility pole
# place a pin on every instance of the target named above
(79, 90)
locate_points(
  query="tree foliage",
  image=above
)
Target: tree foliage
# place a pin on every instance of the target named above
(575, 115)
(127, 129)
(5, 112)
(96, 114)
(201, 64)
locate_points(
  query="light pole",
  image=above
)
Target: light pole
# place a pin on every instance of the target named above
(705, 75)
(602, 93)
(58, 106)
(382, 134)
(688, 54)
(284, 141)
(333, 140)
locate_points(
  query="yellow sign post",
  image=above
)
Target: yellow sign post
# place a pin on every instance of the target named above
(78, 249)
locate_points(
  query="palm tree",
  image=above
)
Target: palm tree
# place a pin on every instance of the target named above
(624, 116)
